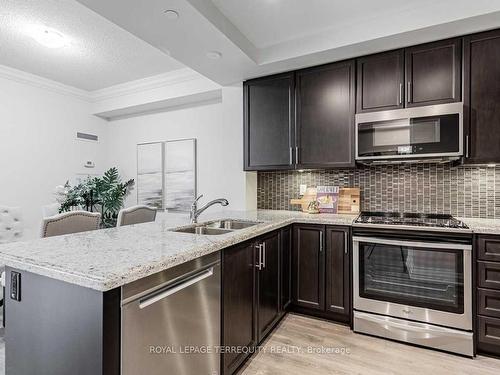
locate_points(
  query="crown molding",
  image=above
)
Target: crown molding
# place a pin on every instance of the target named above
(43, 83)
(166, 79)
(162, 80)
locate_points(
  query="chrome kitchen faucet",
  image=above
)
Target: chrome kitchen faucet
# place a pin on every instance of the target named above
(195, 212)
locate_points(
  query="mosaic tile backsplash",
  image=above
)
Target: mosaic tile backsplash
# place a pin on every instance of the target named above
(463, 191)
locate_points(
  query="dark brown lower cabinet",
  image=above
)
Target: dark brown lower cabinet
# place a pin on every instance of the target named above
(488, 335)
(286, 268)
(268, 283)
(488, 295)
(321, 271)
(338, 296)
(252, 300)
(238, 303)
(308, 277)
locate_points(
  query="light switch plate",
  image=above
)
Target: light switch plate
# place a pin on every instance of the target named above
(303, 188)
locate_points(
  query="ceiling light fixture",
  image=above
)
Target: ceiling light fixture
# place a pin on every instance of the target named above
(47, 37)
(171, 14)
(214, 55)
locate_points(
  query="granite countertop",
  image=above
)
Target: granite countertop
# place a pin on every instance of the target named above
(109, 258)
(482, 226)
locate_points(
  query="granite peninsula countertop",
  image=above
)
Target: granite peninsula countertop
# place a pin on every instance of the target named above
(482, 226)
(109, 258)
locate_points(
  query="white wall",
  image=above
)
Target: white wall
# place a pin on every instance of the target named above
(38, 146)
(39, 149)
(219, 133)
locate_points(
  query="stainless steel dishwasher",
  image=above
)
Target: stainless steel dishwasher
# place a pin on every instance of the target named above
(171, 321)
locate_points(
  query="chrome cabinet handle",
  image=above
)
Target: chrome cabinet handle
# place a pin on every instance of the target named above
(264, 255)
(467, 146)
(321, 241)
(147, 301)
(346, 244)
(400, 93)
(296, 154)
(291, 155)
(409, 92)
(259, 262)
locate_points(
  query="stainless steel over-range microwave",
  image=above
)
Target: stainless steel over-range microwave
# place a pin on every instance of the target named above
(410, 134)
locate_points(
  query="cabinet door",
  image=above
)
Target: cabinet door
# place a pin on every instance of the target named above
(338, 289)
(325, 116)
(380, 84)
(481, 97)
(268, 309)
(433, 73)
(308, 278)
(269, 122)
(286, 268)
(238, 299)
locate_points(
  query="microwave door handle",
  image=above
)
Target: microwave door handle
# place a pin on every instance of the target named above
(156, 297)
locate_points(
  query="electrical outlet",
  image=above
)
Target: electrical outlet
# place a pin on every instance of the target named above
(303, 188)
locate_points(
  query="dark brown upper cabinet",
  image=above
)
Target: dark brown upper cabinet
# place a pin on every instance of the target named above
(269, 122)
(380, 83)
(482, 97)
(433, 73)
(325, 116)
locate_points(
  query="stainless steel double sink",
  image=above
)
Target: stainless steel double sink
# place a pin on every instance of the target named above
(217, 227)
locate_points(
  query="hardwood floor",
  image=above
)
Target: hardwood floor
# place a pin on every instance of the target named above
(362, 354)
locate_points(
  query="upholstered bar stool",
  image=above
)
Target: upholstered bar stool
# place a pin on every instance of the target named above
(136, 215)
(70, 222)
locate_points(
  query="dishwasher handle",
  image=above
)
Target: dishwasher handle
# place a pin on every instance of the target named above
(155, 297)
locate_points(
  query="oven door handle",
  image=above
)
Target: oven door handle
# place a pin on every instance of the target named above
(435, 245)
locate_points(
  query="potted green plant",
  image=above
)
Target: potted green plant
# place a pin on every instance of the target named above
(100, 194)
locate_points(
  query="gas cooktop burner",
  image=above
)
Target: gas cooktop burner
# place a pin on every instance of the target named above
(410, 219)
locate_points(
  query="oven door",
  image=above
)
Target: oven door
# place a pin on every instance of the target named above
(422, 281)
(422, 132)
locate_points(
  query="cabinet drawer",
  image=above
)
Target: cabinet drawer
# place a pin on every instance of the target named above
(488, 302)
(488, 248)
(488, 274)
(488, 335)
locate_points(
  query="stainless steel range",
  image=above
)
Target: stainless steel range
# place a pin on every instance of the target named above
(412, 278)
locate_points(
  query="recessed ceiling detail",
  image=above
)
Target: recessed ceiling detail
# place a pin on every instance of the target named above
(268, 36)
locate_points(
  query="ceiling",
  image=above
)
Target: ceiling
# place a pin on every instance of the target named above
(98, 54)
(261, 37)
(284, 21)
(117, 41)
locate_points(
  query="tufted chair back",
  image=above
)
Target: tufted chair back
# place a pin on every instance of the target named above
(70, 222)
(11, 224)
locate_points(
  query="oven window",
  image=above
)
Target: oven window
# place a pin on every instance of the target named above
(422, 277)
(421, 135)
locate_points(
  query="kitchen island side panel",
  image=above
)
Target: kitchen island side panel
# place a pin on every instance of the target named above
(59, 328)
